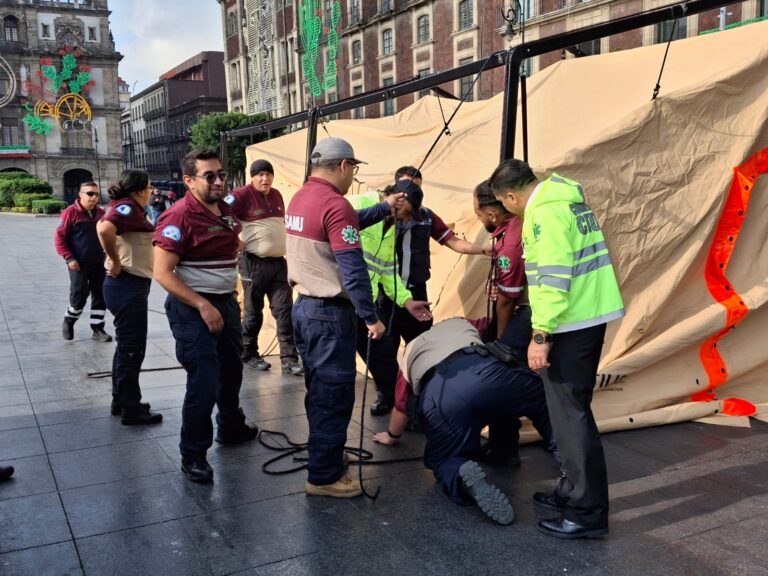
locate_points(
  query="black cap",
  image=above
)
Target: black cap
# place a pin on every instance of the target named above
(261, 166)
(413, 193)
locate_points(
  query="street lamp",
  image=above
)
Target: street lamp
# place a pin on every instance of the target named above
(96, 154)
(512, 15)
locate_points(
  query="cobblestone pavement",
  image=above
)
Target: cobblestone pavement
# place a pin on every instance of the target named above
(93, 497)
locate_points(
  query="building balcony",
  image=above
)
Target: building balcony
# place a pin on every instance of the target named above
(80, 152)
(157, 141)
(8, 47)
(15, 152)
(157, 168)
(152, 114)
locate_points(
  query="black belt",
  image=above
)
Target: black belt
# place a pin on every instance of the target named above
(339, 301)
(217, 297)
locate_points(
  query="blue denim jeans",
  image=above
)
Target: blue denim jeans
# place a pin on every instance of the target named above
(325, 333)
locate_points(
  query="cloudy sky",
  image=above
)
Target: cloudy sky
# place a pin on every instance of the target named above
(156, 35)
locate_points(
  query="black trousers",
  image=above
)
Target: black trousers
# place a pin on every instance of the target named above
(568, 384)
(266, 277)
(89, 280)
(128, 299)
(404, 325)
(382, 363)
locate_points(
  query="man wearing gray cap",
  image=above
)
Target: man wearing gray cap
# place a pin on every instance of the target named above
(326, 268)
(262, 266)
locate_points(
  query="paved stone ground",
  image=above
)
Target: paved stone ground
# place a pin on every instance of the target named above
(93, 497)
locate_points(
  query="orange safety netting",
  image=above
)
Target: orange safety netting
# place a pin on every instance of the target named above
(723, 244)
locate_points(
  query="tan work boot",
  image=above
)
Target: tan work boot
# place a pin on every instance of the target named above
(344, 487)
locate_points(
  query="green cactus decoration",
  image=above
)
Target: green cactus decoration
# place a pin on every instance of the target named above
(310, 27)
(35, 122)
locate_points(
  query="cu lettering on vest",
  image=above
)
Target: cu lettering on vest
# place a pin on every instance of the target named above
(585, 219)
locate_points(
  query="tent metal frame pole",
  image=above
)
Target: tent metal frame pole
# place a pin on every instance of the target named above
(311, 139)
(501, 58)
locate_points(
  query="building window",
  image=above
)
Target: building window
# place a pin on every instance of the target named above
(664, 29)
(423, 74)
(10, 132)
(386, 42)
(327, 10)
(358, 113)
(589, 48)
(764, 8)
(231, 24)
(422, 29)
(92, 34)
(387, 5)
(46, 31)
(356, 52)
(354, 13)
(11, 29)
(389, 104)
(332, 97)
(465, 84)
(465, 14)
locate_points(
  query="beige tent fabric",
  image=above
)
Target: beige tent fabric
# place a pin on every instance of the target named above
(656, 173)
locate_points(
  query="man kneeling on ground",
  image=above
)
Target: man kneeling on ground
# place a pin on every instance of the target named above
(462, 388)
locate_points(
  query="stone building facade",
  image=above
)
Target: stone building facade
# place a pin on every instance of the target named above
(59, 100)
(381, 42)
(156, 132)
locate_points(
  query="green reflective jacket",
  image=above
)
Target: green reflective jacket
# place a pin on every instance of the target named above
(571, 282)
(379, 253)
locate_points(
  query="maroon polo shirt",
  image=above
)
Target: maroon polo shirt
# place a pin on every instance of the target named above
(508, 256)
(127, 215)
(205, 243)
(250, 205)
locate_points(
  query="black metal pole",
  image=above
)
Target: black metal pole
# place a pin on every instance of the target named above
(311, 138)
(224, 151)
(524, 110)
(509, 118)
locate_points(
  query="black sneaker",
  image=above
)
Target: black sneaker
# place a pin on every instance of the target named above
(380, 407)
(257, 363)
(293, 368)
(143, 417)
(197, 469)
(101, 336)
(243, 434)
(116, 409)
(6, 472)
(68, 329)
(488, 497)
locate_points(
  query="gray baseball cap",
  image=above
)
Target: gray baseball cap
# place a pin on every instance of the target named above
(333, 149)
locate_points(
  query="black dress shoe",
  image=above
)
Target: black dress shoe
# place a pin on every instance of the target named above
(6, 472)
(563, 528)
(502, 458)
(197, 469)
(68, 329)
(143, 417)
(380, 407)
(116, 409)
(244, 434)
(549, 501)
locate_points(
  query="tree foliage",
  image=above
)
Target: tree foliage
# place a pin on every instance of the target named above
(206, 134)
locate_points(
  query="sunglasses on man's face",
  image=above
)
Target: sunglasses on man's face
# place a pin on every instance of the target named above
(210, 177)
(91, 194)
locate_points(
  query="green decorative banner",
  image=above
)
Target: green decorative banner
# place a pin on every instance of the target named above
(310, 27)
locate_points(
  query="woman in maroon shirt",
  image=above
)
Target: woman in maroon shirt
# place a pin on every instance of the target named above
(126, 235)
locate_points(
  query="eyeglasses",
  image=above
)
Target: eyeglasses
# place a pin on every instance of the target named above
(210, 177)
(91, 194)
(355, 167)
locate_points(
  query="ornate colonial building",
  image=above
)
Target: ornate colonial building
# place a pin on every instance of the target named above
(59, 100)
(283, 55)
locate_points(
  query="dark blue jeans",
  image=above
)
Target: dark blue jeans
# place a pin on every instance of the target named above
(127, 299)
(214, 371)
(465, 395)
(325, 332)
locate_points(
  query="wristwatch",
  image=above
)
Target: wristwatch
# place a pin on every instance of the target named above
(541, 337)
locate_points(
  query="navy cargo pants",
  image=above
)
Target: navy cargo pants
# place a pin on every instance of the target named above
(214, 371)
(325, 332)
(466, 393)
